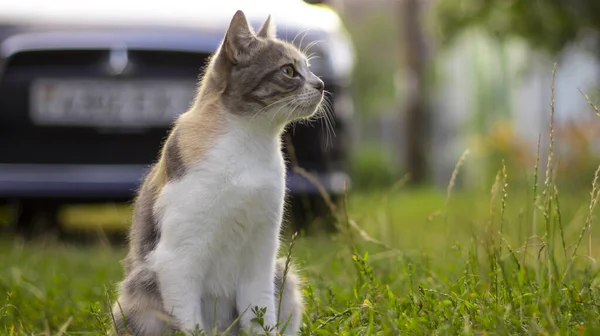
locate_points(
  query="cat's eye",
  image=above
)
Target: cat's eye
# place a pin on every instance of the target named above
(289, 70)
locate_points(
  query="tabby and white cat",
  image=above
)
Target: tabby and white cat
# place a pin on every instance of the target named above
(207, 217)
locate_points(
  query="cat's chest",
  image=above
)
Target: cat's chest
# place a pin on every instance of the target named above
(242, 174)
(250, 169)
(238, 181)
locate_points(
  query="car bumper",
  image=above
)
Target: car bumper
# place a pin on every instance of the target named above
(115, 181)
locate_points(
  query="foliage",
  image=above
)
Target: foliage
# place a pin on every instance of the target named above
(546, 24)
(578, 153)
(372, 167)
(499, 144)
(374, 36)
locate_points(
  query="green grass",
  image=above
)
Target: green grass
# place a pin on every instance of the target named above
(427, 271)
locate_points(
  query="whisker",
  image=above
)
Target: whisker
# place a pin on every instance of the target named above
(291, 102)
(328, 111)
(291, 107)
(266, 107)
(328, 100)
(300, 104)
(327, 121)
(323, 124)
(325, 112)
(312, 56)
(301, 31)
(302, 39)
(310, 45)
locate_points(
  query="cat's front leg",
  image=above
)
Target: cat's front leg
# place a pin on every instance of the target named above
(256, 288)
(180, 287)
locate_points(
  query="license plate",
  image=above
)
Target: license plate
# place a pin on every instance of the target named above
(109, 103)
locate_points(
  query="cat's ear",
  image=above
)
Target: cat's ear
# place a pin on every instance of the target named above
(239, 39)
(268, 29)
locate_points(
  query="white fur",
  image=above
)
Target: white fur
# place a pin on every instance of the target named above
(220, 226)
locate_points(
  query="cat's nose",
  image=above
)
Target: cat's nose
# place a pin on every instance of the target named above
(319, 85)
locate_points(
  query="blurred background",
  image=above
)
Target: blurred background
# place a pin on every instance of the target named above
(87, 93)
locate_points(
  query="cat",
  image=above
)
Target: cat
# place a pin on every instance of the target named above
(207, 216)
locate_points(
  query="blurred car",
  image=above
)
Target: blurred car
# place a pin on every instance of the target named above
(88, 91)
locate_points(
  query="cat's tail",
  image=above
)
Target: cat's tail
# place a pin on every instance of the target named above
(139, 308)
(288, 297)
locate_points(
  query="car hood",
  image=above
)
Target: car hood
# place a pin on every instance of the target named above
(193, 14)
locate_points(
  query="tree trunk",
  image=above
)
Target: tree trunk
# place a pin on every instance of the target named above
(416, 118)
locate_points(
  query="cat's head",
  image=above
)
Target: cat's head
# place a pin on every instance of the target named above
(262, 77)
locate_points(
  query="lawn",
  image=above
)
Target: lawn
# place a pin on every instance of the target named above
(407, 262)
